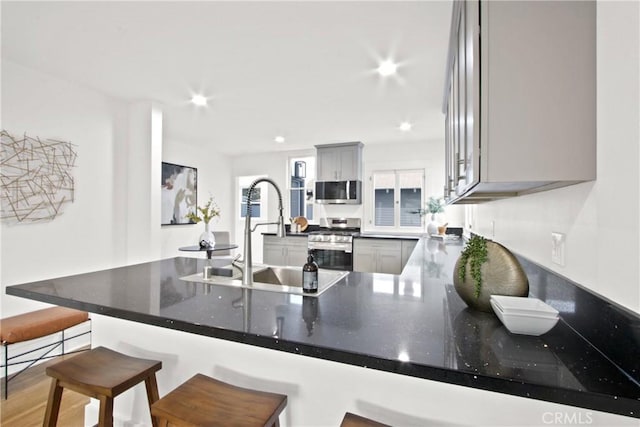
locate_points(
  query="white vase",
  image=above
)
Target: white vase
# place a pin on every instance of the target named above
(207, 239)
(432, 227)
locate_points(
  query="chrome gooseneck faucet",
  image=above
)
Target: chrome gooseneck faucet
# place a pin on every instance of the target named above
(247, 266)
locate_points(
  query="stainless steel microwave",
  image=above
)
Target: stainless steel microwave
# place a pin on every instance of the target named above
(339, 192)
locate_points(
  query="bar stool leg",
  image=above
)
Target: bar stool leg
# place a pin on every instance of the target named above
(152, 394)
(53, 404)
(106, 412)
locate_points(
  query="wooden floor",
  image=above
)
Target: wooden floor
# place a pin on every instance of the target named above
(27, 401)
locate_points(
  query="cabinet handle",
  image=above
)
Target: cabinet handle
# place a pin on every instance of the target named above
(455, 171)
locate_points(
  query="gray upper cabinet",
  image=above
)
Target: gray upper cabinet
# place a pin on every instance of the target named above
(519, 98)
(339, 162)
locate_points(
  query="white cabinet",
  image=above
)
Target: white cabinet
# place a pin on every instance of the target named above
(520, 98)
(288, 251)
(339, 162)
(377, 255)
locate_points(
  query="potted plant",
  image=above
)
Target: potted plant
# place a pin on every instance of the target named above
(434, 206)
(487, 268)
(205, 214)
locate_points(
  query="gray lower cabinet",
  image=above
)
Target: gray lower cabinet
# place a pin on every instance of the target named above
(377, 256)
(291, 251)
(407, 248)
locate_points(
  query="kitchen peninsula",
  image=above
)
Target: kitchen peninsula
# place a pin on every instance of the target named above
(400, 348)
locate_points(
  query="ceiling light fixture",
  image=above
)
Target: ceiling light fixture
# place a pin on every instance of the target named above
(279, 139)
(199, 100)
(405, 126)
(387, 68)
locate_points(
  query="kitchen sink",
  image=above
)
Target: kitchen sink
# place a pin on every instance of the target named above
(273, 278)
(292, 277)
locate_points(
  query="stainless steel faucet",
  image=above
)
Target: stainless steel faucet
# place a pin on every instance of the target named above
(247, 266)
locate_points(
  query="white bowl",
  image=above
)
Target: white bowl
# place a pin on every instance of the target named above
(524, 305)
(524, 323)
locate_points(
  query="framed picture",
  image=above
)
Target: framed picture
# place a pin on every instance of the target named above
(179, 193)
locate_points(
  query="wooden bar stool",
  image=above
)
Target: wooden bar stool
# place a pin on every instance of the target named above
(204, 401)
(352, 420)
(102, 374)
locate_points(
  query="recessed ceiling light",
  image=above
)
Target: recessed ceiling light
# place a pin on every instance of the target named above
(387, 68)
(405, 126)
(279, 139)
(199, 100)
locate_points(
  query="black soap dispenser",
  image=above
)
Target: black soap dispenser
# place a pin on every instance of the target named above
(310, 275)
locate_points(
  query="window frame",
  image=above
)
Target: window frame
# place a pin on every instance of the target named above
(264, 194)
(310, 180)
(371, 208)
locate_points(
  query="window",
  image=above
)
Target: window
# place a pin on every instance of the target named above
(384, 184)
(301, 182)
(258, 197)
(398, 197)
(256, 203)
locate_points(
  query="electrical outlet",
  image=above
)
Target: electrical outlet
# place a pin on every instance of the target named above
(558, 248)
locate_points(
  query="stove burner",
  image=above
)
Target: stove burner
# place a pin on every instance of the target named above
(354, 232)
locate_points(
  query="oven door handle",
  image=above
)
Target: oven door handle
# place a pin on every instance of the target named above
(330, 247)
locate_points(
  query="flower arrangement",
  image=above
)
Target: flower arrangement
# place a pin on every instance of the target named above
(435, 206)
(206, 213)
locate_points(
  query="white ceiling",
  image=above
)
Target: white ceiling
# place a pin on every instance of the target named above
(304, 70)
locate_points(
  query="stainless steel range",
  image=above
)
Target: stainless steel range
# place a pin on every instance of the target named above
(332, 246)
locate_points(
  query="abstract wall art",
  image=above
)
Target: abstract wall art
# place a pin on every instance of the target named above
(36, 177)
(179, 193)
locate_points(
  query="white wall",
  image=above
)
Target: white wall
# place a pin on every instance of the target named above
(601, 218)
(102, 227)
(214, 179)
(86, 237)
(426, 155)
(393, 155)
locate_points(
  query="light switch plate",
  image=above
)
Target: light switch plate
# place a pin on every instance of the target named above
(558, 248)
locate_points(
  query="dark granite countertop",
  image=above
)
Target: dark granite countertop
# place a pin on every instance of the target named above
(412, 324)
(394, 236)
(289, 234)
